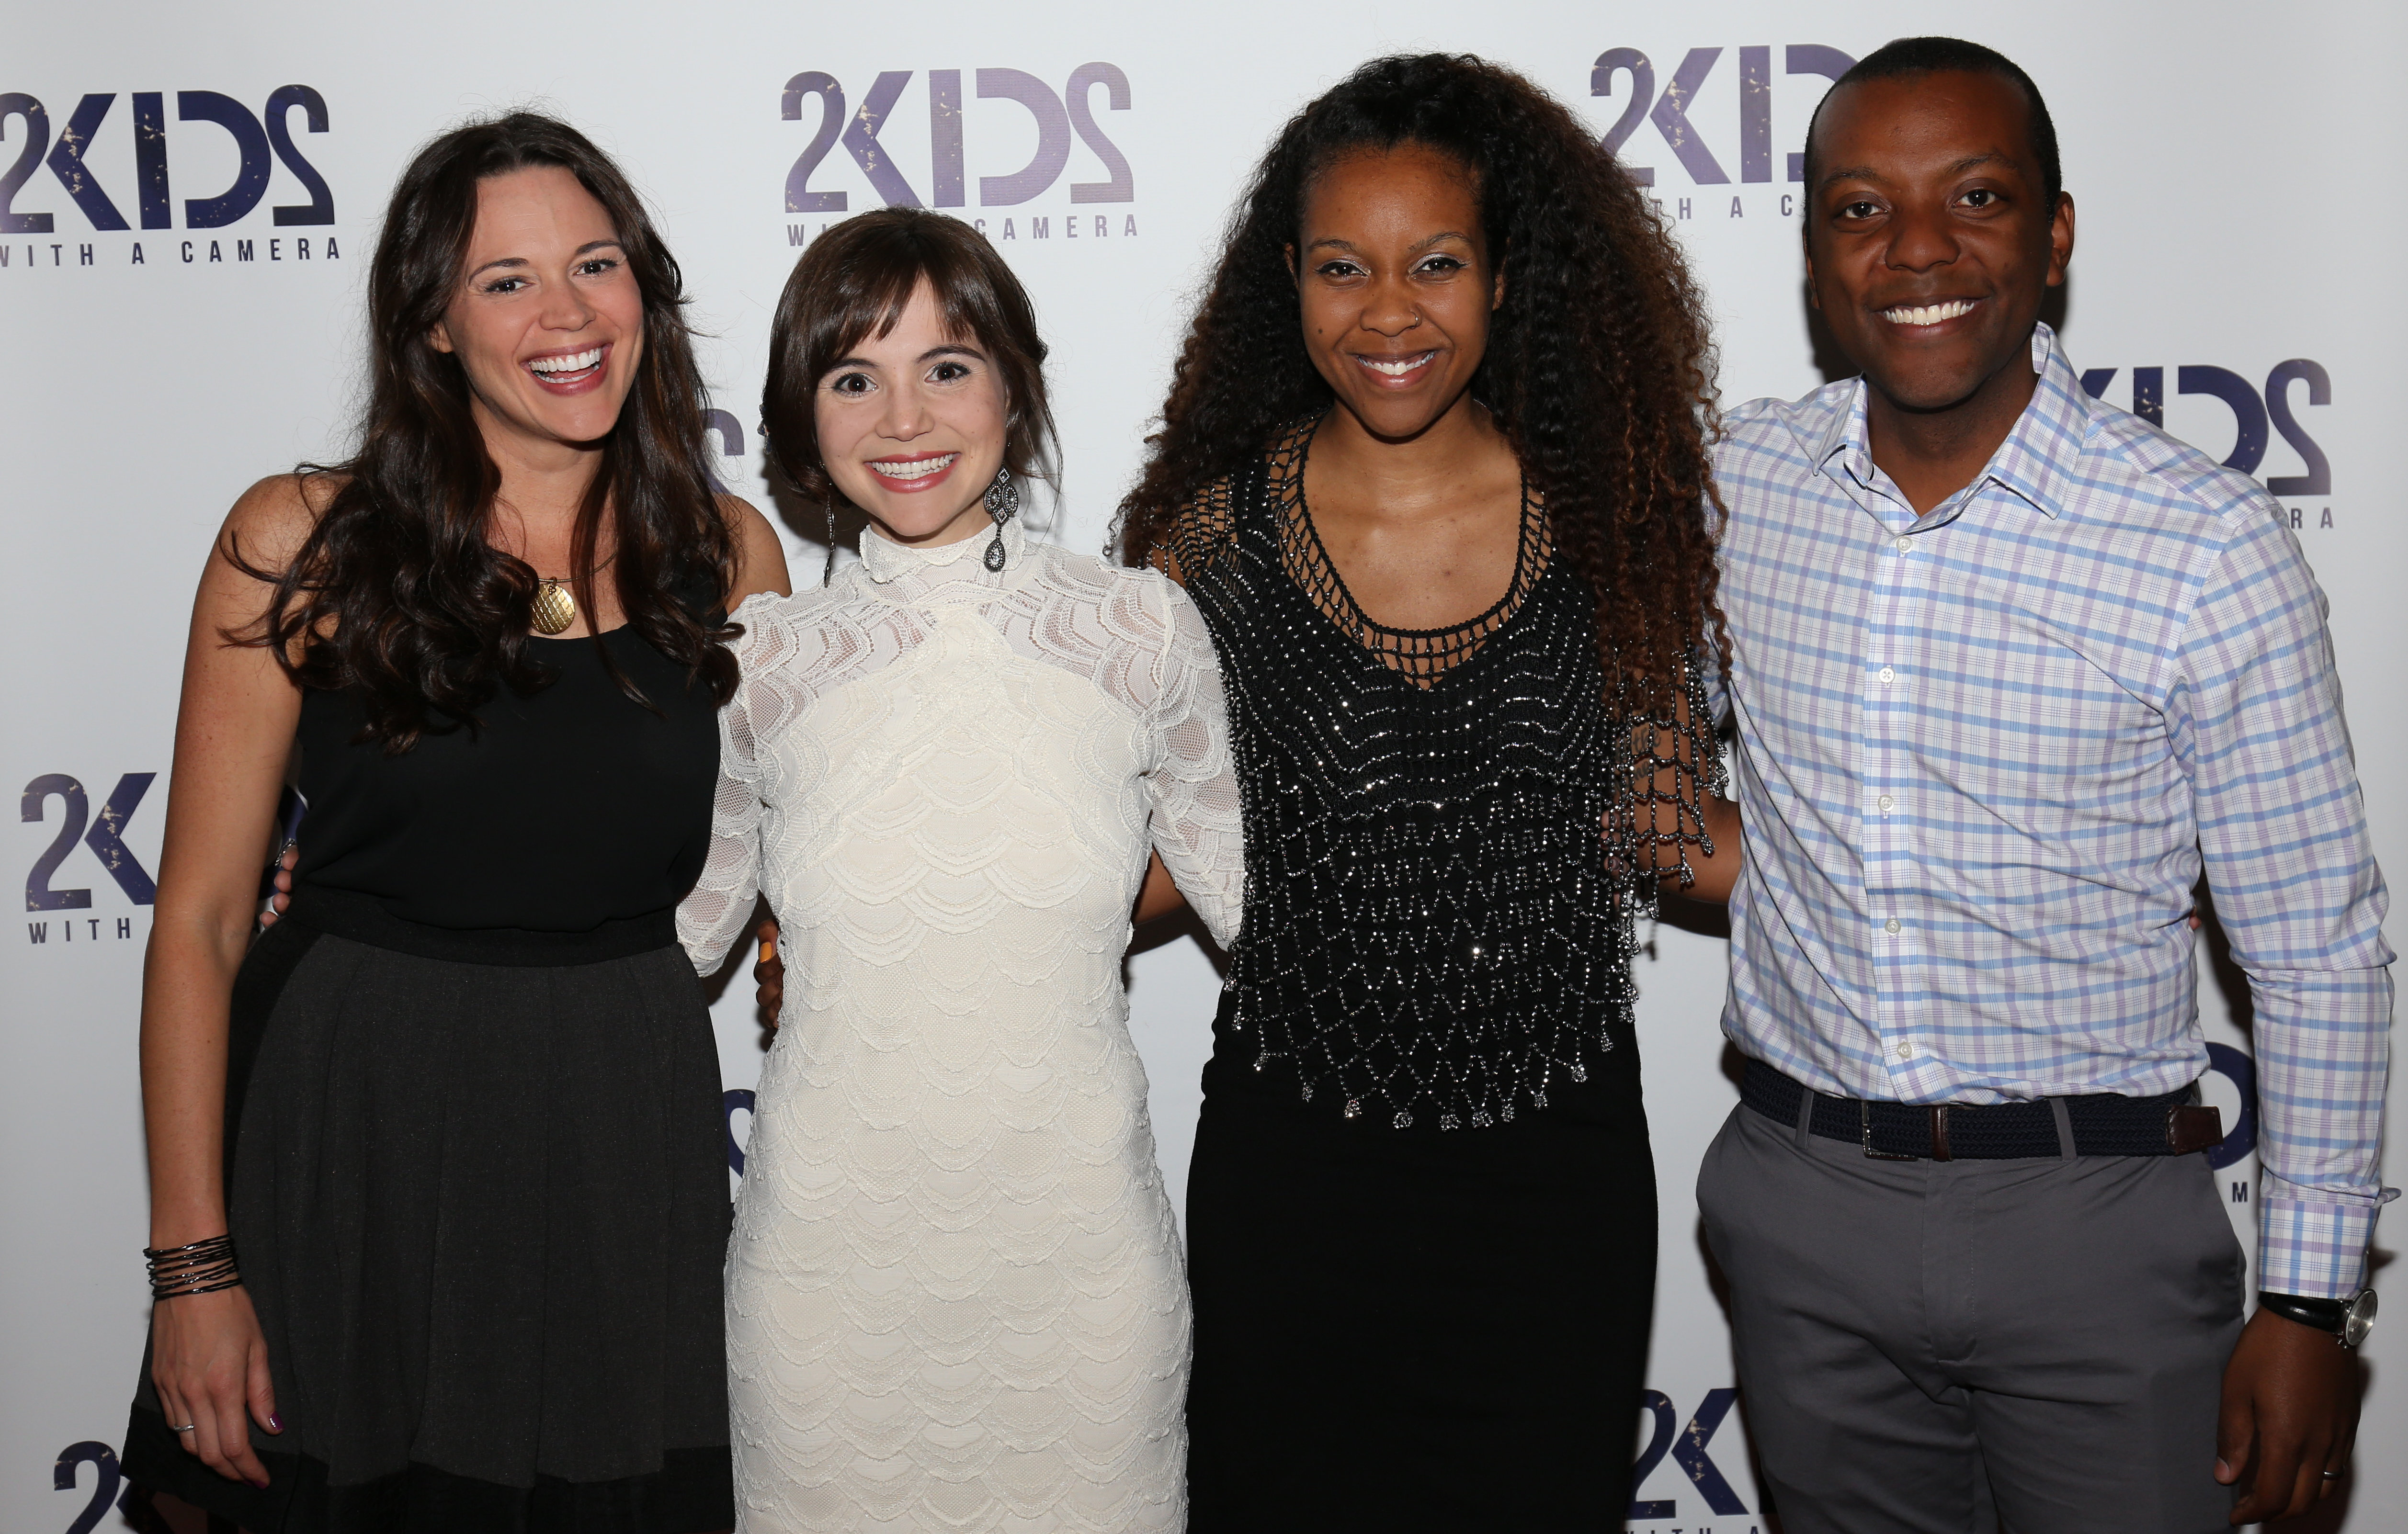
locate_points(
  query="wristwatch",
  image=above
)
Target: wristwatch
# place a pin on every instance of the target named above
(2348, 1320)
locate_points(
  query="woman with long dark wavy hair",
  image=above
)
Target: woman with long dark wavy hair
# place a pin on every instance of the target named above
(438, 1203)
(1434, 469)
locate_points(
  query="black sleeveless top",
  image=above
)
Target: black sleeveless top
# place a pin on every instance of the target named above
(1440, 922)
(564, 828)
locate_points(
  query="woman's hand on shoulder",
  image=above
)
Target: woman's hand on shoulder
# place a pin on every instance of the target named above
(760, 555)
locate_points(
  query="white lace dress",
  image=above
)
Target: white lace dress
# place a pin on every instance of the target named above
(956, 1297)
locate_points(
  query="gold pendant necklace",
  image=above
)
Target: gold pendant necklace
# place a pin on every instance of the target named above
(554, 609)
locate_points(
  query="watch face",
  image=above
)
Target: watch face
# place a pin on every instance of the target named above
(2359, 1320)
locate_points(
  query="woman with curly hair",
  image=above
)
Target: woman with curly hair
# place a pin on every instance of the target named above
(438, 1203)
(1434, 469)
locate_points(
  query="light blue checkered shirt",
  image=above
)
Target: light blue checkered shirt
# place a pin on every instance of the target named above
(1983, 751)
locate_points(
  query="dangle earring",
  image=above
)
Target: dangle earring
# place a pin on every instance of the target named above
(828, 575)
(1002, 504)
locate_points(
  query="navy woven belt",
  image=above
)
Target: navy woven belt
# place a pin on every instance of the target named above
(2102, 1124)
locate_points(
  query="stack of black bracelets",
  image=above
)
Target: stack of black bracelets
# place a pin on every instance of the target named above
(204, 1267)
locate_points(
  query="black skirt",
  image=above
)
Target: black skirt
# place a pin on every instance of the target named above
(1412, 1330)
(482, 1210)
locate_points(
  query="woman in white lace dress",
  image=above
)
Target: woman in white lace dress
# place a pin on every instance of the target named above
(956, 1297)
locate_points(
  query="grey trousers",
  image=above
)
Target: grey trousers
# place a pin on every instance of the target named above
(1941, 1348)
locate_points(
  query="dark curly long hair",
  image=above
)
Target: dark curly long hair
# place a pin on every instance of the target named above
(396, 590)
(1597, 368)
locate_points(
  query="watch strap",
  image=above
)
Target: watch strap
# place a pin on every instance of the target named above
(2324, 1315)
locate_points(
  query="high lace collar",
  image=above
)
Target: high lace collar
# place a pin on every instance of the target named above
(911, 572)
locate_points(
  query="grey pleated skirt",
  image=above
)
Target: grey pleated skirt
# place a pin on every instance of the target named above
(482, 1210)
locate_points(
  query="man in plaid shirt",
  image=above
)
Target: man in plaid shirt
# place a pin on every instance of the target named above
(2010, 668)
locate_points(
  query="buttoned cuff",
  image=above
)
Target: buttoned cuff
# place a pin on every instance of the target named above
(2314, 1249)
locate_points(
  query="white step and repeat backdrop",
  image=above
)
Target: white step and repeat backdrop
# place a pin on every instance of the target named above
(187, 196)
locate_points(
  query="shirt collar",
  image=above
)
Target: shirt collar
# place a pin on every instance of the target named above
(911, 573)
(2030, 463)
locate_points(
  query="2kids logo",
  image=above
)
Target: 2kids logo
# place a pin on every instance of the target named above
(1669, 111)
(104, 837)
(2253, 413)
(1688, 1449)
(2239, 1073)
(106, 1477)
(137, 162)
(950, 140)
(727, 434)
(736, 1099)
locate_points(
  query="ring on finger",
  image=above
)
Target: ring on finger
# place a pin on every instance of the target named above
(189, 1426)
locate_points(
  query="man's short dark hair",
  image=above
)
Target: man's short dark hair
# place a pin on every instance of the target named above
(1924, 55)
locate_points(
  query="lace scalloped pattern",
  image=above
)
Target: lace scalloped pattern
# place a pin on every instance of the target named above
(956, 1298)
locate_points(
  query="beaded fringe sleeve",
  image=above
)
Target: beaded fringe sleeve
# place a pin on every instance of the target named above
(1446, 831)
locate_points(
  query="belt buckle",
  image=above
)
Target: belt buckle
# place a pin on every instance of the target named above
(1865, 1125)
(2191, 1129)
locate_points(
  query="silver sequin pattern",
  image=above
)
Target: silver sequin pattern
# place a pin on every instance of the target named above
(1441, 827)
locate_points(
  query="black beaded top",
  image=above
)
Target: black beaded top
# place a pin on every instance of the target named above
(1441, 827)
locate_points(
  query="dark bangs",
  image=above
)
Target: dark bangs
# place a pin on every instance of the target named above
(854, 283)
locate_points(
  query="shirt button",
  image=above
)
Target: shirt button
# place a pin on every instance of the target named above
(1890, 926)
(1888, 675)
(1905, 544)
(1884, 802)
(1906, 1051)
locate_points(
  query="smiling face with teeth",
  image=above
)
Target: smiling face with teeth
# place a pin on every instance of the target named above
(547, 322)
(1395, 286)
(1931, 244)
(912, 425)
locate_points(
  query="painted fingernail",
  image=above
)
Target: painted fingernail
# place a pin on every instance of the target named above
(261, 1484)
(275, 1423)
